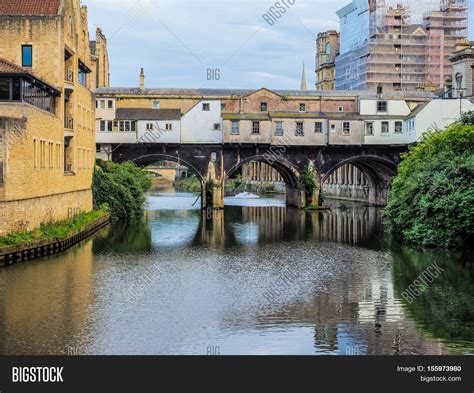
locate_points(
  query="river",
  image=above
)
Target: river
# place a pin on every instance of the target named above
(257, 278)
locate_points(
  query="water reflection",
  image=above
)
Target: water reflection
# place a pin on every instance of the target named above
(251, 280)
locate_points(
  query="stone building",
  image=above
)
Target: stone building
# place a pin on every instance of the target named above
(100, 61)
(47, 112)
(463, 70)
(327, 48)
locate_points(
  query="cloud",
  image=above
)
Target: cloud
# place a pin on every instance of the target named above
(177, 40)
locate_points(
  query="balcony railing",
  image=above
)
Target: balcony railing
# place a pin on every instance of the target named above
(69, 75)
(69, 123)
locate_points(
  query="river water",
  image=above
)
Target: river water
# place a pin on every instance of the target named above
(257, 278)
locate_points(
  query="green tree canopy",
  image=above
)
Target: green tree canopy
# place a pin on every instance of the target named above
(120, 187)
(432, 198)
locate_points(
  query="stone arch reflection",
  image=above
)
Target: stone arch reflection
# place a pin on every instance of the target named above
(249, 225)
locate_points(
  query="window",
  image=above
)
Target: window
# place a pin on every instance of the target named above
(110, 104)
(127, 126)
(279, 128)
(398, 127)
(235, 128)
(369, 128)
(255, 127)
(35, 154)
(102, 125)
(82, 74)
(217, 126)
(333, 127)
(385, 127)
(4, 89)
(206, 107)
(263, 107)
(102, 104)
(302, 107)
(346, 128)
(169, 127)
(109, 126)
(340, 109)
(318, 127)
(299, 128)
(149, 126)
(27, 56)
(155, 104)
(382, 106)
(223, 107)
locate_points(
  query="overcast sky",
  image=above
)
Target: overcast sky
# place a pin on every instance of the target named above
(177, 41)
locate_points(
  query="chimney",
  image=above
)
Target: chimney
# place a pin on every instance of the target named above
(142, 80)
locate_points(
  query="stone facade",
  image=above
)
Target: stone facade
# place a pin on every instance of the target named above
(463, 70)
(327, 48)
(100, 61)
(48, 152)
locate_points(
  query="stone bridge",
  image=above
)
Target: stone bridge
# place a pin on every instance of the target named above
(214, 164)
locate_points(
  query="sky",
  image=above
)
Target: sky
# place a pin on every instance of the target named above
(213, 43)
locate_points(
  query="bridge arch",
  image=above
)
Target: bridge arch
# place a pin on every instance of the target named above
(146, 160)
(379, 172)
(286, 169)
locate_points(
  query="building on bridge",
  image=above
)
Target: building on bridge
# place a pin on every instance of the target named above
(222, 131)
(47, 111)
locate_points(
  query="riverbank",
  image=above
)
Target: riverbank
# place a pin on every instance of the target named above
(51, 238)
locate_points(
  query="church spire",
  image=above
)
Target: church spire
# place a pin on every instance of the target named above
(304, 86)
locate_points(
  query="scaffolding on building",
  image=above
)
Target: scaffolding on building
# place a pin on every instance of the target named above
(409, 46)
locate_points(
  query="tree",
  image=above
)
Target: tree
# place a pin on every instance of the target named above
(432, 198)
(120, 187)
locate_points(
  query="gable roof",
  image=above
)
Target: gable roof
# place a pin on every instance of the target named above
(148, 114)
(262, 89)
(29, 7)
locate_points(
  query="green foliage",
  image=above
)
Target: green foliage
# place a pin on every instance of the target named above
(53, 231)
(432, 198)
(308, 180)
(268, 187)
(190, 184)
(122, 188)
(468, 118)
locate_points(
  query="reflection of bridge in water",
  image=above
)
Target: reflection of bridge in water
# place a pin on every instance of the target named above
(258, 225)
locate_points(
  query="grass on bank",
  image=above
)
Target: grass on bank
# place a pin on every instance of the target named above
(53, 232)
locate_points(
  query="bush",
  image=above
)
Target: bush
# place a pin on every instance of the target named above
(53, 231)
(432, 198)
(190, 184)
(122, 188)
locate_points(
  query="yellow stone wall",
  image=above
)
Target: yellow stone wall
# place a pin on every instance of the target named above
(100, 62)
(36, 188)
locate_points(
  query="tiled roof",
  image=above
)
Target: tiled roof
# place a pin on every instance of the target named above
(362, 94)
(148, 114)
(29, 7)
(7, 67)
